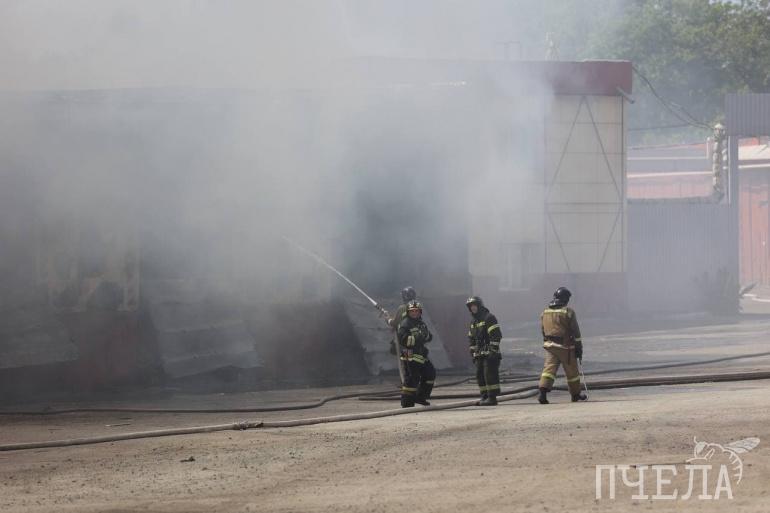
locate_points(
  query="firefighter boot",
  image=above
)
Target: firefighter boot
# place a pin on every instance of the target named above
(579, 397)
(489, 401)
(542, 399)
(421, 401)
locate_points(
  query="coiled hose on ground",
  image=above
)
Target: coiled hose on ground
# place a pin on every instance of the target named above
(521, 393)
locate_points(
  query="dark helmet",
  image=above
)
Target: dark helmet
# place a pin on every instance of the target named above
(408, 294)
(414, 305)
(474, 300)
(562, 295)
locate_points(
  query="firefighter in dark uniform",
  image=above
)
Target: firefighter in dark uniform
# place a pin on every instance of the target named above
(407, 294)
(419, 373)
(563, 346)
(484, 336)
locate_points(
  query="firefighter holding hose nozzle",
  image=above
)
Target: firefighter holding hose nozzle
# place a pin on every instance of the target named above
(419, 373)
(563, 346)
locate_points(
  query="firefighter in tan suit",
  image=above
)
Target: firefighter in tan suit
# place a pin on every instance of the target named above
(563, 346)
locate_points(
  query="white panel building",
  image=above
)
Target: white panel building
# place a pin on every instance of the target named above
(569, 228)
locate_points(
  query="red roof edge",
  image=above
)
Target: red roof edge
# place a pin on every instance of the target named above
(603, 78)
(588, 77)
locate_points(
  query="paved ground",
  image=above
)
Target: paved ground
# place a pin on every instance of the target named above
(520, 456)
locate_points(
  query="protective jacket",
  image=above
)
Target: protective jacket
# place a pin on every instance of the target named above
(563, 347)
(412, 336)
(560, 327)
(398, 318)
(484, 334)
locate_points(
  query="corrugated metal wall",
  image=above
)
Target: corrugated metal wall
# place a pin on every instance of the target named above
(674, 185)
(747, 114)
(672, 247)
(755, 228)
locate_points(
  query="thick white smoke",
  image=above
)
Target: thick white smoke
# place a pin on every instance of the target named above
(154, 153)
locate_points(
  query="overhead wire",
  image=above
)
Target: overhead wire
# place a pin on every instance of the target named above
(659, 127)
(675, 109)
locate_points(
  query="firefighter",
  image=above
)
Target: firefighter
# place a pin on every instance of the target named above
(419, 373)
(563, 346)
(407, 294)
(484, 336)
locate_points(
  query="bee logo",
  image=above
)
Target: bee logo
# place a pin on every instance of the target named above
(704, 451)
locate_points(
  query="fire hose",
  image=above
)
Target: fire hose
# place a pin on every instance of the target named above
(263, 409)
(384, 395)
(521, 393)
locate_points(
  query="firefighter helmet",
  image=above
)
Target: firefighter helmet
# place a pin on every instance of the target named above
(562, 295)
(408, 294)
(474, 300)
(414, 305)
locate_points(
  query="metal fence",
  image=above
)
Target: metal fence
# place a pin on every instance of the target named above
(677, 253)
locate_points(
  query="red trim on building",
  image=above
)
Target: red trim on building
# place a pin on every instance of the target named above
(587, 77)
(563, 77)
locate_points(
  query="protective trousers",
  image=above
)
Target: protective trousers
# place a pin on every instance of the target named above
(419, 376)
(488, 375)
(555, 356)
